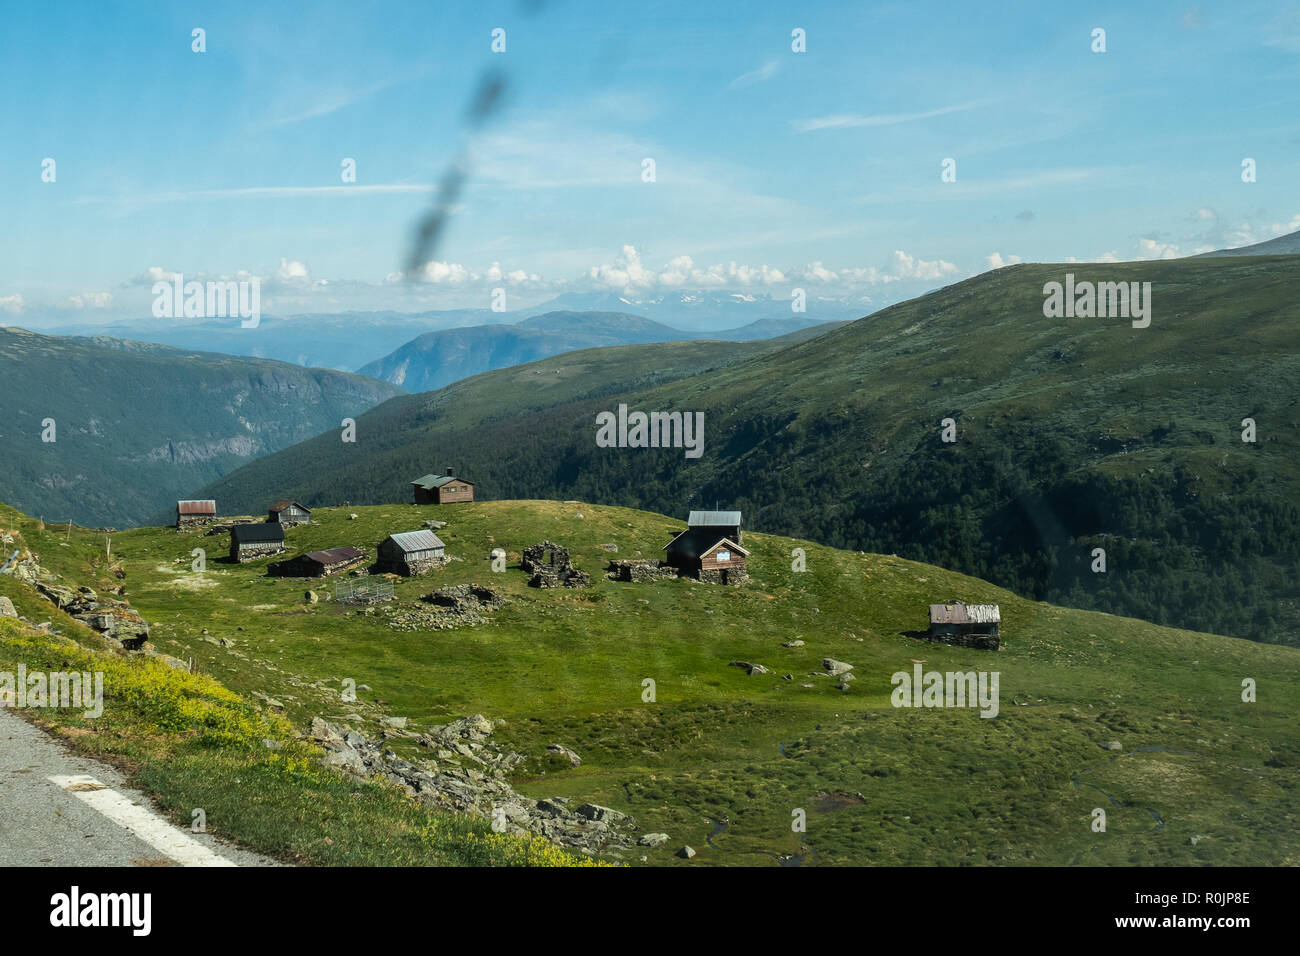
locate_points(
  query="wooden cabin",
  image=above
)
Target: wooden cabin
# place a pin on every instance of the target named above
(318, 564)
(248, 542)
(441, 489)
(411, 553)
(195, 513)
(709, 549)
(288, 513)
(966, 625)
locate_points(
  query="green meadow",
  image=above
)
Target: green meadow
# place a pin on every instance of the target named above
(724, 761)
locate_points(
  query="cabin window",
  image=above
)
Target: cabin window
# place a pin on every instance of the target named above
(724, 555)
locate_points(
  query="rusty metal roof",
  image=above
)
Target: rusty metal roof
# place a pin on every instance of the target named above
(197, 506)
(336, 555)
(285, 503)
(959, 613)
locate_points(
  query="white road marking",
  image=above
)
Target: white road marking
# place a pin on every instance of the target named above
(155, 831)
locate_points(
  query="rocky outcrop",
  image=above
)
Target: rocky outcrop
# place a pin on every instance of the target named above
(112, 618)
(468, 773)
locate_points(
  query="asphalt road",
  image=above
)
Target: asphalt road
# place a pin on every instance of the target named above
(86, 816)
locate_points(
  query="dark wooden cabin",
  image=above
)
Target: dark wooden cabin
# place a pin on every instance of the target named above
(251, 541)
(709, 549)
(966, 625)
(288, 514)
(411, 553)
(318, 564)
(441, 489)
(195, 513)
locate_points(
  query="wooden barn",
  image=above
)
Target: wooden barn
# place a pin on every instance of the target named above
(288, 513)
(442, 489)
(317, 564)
(709, 549)
(249, 542)
(411, 553)
(195, 513)
(966, 625)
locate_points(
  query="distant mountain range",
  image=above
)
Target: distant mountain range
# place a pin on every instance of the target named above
(1281, 246)
(349, 340)
(436, 359)
(136, 425)
(1072, 434)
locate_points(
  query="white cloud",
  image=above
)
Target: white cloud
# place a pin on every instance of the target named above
(850, 120)
(12, 303)
(291, 270)
(90, 300)
(764, 72)
(1153, 249)
(997, 260)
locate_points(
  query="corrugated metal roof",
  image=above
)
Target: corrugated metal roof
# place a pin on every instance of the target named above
(256, 533)
(417, 541)
(714, 519)
(335, 555)
(196, 506)
(965, 614)
(281, 505)
(433, 481)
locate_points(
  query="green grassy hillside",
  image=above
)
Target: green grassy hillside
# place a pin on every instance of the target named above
(1073, 434)
(137, 426)
(720, 759)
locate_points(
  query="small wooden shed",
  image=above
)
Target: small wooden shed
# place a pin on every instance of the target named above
(966, 625)
(441, 489)
(318, 564)
(251, 541)
(195, 513)
(411, 553)
(709, 549)
(288, 513)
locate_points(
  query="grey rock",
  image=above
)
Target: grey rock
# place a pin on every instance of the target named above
(566, 753)
(653, 839)
(1112, 745)
(686, 852)
(750, 667)
(836, 667)
(7, 608)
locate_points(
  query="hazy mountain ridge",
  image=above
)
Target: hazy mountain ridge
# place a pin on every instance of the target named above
(135, 425)
(436, 359)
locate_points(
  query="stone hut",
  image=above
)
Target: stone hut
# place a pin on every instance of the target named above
(248, 542)
(710, 548)
(411, 553)
(317, 564)
(195, 513)
(550, 567)
(288, 513)
(966, 625)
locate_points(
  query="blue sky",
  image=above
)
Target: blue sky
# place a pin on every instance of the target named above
(774, 169)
